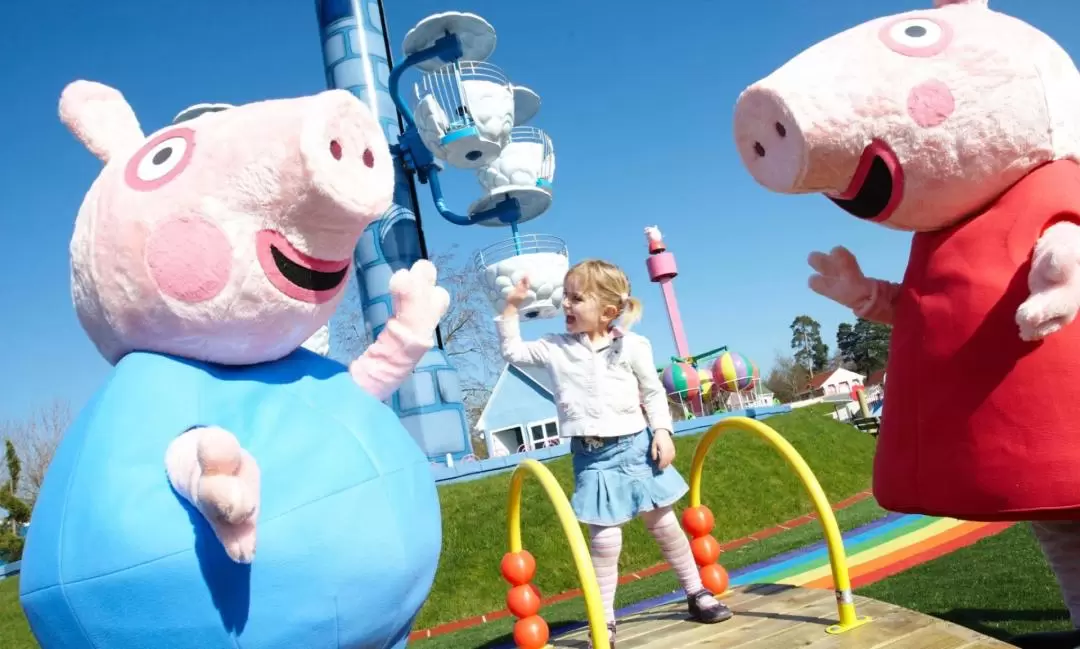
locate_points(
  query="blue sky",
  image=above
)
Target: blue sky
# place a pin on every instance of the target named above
(637, 98)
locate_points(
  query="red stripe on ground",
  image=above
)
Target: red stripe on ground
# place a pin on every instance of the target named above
(450, 627)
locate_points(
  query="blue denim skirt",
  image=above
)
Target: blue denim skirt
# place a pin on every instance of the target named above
(619, 480)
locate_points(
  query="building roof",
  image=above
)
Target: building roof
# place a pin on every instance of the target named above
(821, 379)
(538, 375)
(876, 378)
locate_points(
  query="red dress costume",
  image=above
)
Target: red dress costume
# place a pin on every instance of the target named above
(979, 424)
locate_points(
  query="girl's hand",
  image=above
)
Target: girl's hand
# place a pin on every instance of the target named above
(520, 293)
(663, 448)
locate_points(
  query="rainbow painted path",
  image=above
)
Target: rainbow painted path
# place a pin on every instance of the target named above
(874, 551)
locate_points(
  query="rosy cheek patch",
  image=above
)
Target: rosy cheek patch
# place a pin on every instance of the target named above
(189, 259)
(930, 103)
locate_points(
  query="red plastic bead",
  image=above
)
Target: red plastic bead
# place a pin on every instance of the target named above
(531, 632)
(715, 578)
(706, 549)
(518, 568)
(698, 521)
(523, 601)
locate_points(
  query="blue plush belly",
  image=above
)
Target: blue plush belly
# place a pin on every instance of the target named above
(348, 533)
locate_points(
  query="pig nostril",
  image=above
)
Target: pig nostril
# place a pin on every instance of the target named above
(758, 149)
(369, 158)
(780, 130)
(335, 149)
(473, 155)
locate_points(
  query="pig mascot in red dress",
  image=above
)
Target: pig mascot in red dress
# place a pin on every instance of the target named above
(962, 125)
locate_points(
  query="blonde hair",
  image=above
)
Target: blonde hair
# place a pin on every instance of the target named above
(609, 285)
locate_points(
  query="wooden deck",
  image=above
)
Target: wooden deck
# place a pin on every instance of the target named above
(776, 616)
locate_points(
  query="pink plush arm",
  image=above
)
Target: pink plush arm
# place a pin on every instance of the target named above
(386, 363)
(879, 306)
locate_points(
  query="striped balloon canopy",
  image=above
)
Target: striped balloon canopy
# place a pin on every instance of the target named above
(733, 373)
(705, 376)
(681, 380)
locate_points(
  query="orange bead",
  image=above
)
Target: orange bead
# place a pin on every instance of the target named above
(523, 601)
(715, 578)
(531, 632)
(518, 568)
(698, 521)
(706, 549)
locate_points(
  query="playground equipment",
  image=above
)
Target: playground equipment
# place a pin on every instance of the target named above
(470, 116)
(772, 615)
(518, 565)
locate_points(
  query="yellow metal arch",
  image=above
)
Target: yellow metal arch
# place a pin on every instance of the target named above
(579, 549)
(845, 602)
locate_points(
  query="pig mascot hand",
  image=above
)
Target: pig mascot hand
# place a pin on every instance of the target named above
(227, 484)
(1054, 282)
(959, 124)
(419, 304)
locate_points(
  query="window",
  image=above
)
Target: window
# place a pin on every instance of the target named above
(512, 439)
(543, 434)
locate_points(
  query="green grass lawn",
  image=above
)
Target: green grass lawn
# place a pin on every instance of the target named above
(14, 631)
(1000, 586)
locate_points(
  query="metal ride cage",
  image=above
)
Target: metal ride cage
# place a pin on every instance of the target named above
(418, 159)
(455, 93)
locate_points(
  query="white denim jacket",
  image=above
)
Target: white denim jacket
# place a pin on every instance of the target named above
(598, 393)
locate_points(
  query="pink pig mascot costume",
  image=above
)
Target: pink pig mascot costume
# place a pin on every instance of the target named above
(962, 125)
(226, 488)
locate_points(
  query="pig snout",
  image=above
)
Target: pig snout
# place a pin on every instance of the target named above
(770, 143)
(346, 159)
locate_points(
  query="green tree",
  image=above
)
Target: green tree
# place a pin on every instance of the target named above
(864, 346)
(810, 351)
(787, 379)
(18, 511)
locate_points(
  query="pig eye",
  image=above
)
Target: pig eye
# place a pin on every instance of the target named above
(916, 36)
(917, 32)
(161, 159)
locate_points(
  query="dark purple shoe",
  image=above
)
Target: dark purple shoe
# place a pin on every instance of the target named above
(709, 614)
(611, 636)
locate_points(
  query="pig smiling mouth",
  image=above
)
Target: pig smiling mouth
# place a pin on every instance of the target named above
(877, 186)
(296, 274)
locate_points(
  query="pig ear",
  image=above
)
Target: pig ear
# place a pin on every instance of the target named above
(100, 117)
(974, 3)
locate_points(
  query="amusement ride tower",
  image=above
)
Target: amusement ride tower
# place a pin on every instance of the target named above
(469, 116)
(662, 270)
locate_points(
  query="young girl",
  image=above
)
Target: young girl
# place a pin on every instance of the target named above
(601, 374)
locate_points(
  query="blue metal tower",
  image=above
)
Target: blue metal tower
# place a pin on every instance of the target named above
(356, 56)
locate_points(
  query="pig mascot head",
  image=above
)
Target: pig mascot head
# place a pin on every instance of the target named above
(961, 125)
(203, 256)
(226, 238)
(915, 120)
